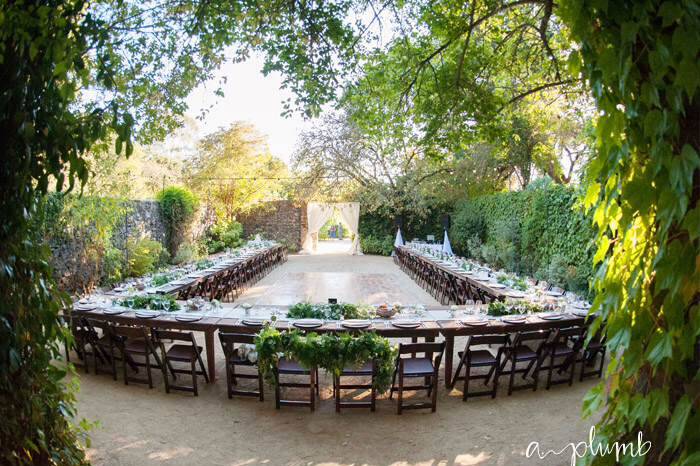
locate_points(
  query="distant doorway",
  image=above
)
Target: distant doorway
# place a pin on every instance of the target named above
(332, 228)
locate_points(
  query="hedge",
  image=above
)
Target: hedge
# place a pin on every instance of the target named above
(538, 232)
(382, 246)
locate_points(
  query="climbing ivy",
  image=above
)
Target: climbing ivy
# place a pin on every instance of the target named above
(642, 65)
(540, 231)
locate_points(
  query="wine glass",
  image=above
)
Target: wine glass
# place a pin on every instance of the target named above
(130, 302)
(166, 304)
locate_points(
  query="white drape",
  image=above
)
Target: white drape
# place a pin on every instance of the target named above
(350, 213)
(446, 246)
(317, 215)
(399, 239)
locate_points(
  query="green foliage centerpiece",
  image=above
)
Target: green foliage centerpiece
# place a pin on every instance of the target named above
(154, 302)
(327, 311)
(332, 352)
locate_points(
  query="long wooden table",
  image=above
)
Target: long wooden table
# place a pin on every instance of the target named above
(499, 294)
(200, 276)
(429, 330)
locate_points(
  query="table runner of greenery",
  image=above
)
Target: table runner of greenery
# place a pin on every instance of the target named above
(154, 302)
(332, 352)
(328, 311)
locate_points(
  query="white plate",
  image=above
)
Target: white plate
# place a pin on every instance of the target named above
(253, 322)
(308, 323)
(497, 286)
(188, 318)
(406, 324)
(475, 322)
(515, 294)
(147, 314)
(85, 307)
(113, 311)
(514, 320)
(356, 323)
(551, 316)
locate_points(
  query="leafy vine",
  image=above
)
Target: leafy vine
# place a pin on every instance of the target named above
(332, 352)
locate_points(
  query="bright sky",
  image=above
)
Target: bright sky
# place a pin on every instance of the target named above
(252, 97)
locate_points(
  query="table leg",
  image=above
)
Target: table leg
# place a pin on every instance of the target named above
(211, 363)
(449, 354)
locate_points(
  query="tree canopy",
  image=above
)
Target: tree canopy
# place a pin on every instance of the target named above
(235, 171)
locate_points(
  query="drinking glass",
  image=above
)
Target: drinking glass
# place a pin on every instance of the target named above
(166, 305)
(130, 302)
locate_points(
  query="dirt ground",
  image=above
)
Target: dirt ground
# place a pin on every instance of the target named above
(141, 426)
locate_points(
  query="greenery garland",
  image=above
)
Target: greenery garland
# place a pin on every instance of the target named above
(154, 302)
(327, 311)
(499, 308)
(332, 352)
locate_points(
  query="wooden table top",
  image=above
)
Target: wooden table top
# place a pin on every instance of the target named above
(496, 326)
(427, 328)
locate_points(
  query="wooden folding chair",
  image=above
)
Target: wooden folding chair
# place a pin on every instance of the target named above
(520, 351)
(595, 348)
(135, 341)
(471, 357)
(369, 369)
(417, 367)
(189, 353)
(289, 367)
(235, 360)
(561, 352)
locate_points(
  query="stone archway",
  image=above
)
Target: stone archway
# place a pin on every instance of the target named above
(318, 213)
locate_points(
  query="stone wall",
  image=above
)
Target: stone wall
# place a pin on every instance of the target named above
(283, 221)
(143, 220)
(76, 270)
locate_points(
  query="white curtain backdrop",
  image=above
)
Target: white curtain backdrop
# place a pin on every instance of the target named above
(350, 213)
(318, 215)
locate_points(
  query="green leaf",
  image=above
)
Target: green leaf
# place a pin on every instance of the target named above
(676, 426)
(661, 348)
(692, 223)
(688, 75)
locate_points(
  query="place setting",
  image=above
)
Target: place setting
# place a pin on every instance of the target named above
(356, 323)
(307, 323)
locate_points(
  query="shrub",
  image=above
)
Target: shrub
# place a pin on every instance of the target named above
(145, 256)
(177, 206)
(114, 266)
(381, 246)
(189, 252)
(223, 235)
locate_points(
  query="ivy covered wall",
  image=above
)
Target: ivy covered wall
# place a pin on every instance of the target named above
(539, 231)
